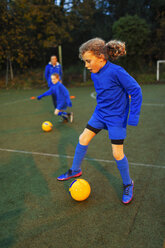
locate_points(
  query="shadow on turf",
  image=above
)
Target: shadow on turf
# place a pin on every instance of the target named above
(21, 180)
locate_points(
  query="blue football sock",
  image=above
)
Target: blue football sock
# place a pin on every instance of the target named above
(123, 167)
(79, 156)
(64, 115)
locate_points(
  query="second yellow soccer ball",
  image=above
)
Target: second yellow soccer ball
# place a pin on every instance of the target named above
(47, 126)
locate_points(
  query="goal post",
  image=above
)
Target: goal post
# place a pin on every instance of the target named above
(158, 70)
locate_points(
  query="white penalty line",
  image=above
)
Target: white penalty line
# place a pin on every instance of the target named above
(93, 95)
(71, 157)
(23, 100)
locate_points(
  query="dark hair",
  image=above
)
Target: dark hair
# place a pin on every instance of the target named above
(56, 75)
(53, 56)
(112, 49)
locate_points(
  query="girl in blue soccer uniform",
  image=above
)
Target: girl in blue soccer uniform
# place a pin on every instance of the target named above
(113, 86)
(53, 67)
(61, 94)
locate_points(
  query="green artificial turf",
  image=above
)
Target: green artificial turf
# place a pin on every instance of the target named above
(36, 210)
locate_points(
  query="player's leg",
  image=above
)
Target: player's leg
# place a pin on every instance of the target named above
(122, 163)
(92, 128)
(81, 148)
(80, 152)
(62, 114)
(123, 167)
(70, 116)
(54, 101)
(117, 136)
(67, 115)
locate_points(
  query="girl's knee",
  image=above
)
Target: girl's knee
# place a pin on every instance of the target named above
(56, 112)
(86, 137)
(83, 140)
(118, 153)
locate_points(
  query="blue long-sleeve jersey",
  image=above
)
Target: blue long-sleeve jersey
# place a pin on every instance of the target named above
(113, 86)
(62, 96)
(49, 70)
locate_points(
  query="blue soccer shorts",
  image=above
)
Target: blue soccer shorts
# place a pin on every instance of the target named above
(116, 134)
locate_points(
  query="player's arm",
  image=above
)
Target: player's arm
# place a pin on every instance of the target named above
(134, 90)
(47, 73)
(47, 93)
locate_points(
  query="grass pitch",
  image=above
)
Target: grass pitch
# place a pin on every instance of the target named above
(36, 210)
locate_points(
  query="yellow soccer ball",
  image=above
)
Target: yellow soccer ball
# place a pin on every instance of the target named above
(79, 189)
(47, 126)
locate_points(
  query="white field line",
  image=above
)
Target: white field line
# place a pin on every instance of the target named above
(12, 102)
(93, 95)
(88, 159)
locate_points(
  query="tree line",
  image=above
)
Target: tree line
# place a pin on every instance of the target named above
(31, 30)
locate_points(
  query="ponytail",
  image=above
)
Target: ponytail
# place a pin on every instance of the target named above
(115, 49)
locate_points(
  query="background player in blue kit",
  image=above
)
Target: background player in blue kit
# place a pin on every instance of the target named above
(113, 86)
(61, 94)
(53, 67)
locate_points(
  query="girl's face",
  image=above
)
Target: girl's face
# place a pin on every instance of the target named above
(54, 79)
(93, 63)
